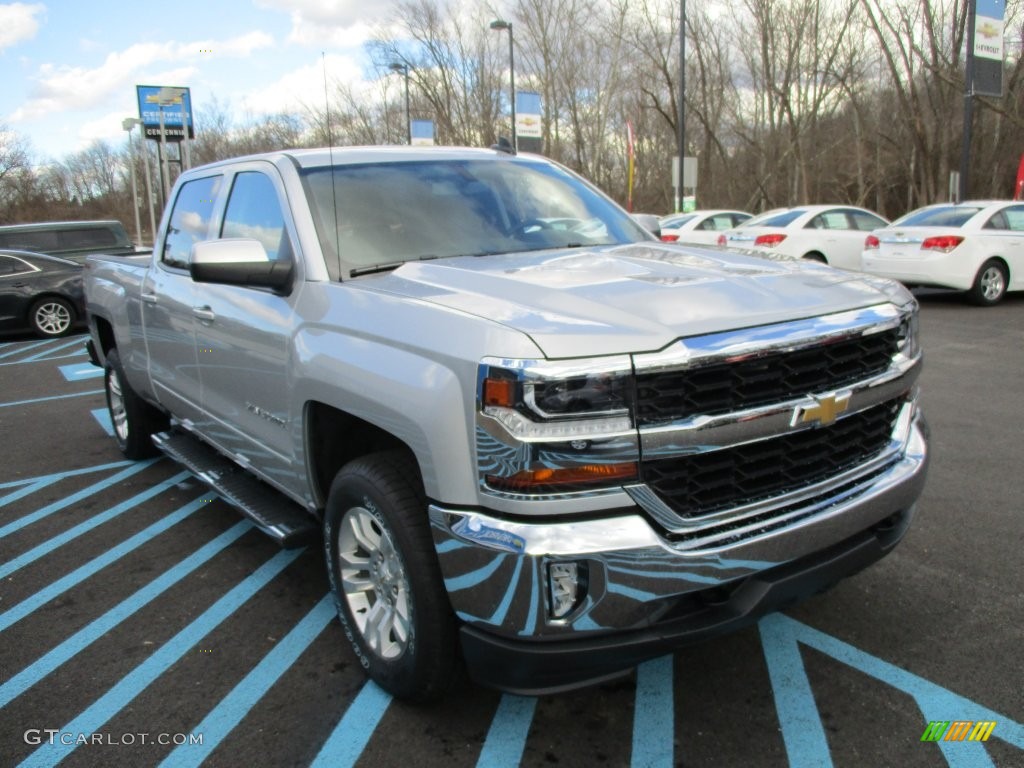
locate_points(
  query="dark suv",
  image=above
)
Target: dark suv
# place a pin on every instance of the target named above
(68, 239)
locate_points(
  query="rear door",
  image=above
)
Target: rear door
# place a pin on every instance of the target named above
(169, 302)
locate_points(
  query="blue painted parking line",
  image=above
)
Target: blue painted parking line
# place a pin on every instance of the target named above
(781, 636)
(237, 704)
(80, 371)
(74, 498)
(52, 397)
(57, 347)
(84, 527)
(506, 738)
(102, 416)
(654, 715)
(350, 736)
(23, 348)
(61, 654)
(135, 682)
(45, 595)
(52, 478)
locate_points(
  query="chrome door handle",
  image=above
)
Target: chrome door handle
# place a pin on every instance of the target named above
(149, 298)
(204, 313)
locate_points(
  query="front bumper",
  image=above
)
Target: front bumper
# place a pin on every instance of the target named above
(644, 594)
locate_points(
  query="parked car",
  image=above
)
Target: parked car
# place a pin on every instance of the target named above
(68, 239)
(40, 293)
(701, 227)
(975, 246)
(831, 234)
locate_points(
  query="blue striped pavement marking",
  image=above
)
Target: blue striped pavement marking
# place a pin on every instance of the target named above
(52, 478)
(61, 654)
(40, 598)
(102, 416)
(87, 525)
(80, 371)
(936, 702)
(506, 738)
(57, 347)
(20, 348)
(350, 736)
(654, 715)
(74, 498)
(52, 397)
(135, 682)
(236, 705)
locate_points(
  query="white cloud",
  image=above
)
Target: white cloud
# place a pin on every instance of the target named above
(340, 23)
(59, 88)
(18, 22)
(303, 86)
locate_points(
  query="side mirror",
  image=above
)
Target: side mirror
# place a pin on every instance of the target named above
(239, 261)
(648, 221)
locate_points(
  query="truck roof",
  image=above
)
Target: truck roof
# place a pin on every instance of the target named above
(325, 156)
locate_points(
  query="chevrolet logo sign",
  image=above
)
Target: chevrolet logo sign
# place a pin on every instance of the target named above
(825, 410)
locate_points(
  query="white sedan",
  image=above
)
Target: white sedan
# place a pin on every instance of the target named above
(831, 234)
(976, 246)
(701, 227)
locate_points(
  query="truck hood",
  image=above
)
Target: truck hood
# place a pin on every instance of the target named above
(631, 298)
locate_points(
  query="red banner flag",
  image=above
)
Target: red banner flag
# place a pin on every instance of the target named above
(1018, 188)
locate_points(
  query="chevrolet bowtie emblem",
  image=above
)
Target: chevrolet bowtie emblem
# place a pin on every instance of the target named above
(825, 411)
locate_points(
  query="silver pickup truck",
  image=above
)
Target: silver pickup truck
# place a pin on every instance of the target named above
(533, 440)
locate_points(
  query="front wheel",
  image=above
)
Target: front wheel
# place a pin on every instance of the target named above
(133, 419)
(385, 577)
(989, 284)
(51, 317)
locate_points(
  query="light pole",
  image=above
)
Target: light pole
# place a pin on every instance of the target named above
(128, 123)
(682, 102)
(501, 24)
(404, 69)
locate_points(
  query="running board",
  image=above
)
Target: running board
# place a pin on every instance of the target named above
(269, 509)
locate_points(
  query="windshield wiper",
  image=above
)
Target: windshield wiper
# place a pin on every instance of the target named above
(387, 267)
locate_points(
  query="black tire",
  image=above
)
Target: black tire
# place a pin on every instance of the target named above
(134, 420)
(51, 317)
(386, 579)
(989, 284)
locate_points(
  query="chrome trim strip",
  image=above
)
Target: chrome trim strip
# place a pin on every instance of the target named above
(708, 433)
(768, 339)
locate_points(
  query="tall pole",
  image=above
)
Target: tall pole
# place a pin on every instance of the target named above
(682, 102)
(501, 24)
(128, 124)
(404, 69)
(965, 149)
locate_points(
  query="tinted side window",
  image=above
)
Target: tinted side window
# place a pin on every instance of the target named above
(254, 211)
(1014, 218)
(40, 240)
(865, 222)
(93, 237)
(9, 266)
(190, 219)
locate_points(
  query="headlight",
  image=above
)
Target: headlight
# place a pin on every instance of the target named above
(909, 345)
(549, 428)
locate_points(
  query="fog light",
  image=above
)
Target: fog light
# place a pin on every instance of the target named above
(567, 586)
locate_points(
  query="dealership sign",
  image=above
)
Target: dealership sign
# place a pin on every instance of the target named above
(988, 47)
(172, 103)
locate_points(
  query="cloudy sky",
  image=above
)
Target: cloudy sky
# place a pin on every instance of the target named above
(68, 68)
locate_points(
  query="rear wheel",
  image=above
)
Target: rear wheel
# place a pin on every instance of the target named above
(815, 256)
(989, 284)
(134, 420)
(386, 580)
(51, 317)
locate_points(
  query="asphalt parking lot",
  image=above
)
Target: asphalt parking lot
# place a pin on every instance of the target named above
(143, 623)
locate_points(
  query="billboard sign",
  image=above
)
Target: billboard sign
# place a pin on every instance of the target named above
(156, 99)
(528, 115)
(422, 132)
(988, 47)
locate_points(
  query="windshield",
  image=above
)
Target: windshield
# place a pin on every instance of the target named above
(377, 216)
(946, 216)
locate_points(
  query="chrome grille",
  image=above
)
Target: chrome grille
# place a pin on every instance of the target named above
(700, 484)
(752, 381)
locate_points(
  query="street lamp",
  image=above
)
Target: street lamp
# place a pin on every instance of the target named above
(128, 124)
(501, 24)
(404, 70)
